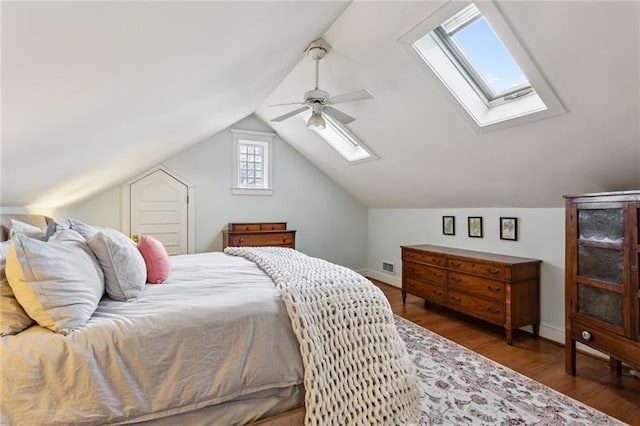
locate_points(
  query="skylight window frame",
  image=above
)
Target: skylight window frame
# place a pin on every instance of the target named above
(360, 153)
(465, 65)
(542, 102)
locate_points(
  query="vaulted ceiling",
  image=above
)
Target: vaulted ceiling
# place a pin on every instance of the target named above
(93, 93)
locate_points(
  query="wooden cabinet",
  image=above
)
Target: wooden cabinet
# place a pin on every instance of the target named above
(259, 235)
(602, 278)
(502, 290)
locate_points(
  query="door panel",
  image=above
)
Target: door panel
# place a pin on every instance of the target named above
(159, 207)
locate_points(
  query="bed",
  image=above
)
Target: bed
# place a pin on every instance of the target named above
(213, 344)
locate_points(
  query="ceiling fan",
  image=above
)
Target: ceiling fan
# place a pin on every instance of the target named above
(319, 101)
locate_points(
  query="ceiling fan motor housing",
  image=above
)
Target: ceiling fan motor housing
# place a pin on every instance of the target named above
(316, 95)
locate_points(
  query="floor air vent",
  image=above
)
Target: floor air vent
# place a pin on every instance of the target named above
(388, 267)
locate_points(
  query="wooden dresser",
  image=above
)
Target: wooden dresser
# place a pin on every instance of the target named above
(603, 277)
(259, 235)
(502, 290)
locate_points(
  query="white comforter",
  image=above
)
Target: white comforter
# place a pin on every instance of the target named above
(215, 331)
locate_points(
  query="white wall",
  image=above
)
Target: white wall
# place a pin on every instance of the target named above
(330, 223)
(58, 214)
(540, 236)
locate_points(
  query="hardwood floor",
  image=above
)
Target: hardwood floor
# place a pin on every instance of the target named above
(540, 359)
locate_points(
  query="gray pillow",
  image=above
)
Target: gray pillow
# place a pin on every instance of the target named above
(13, 319)
(125, 273)
(52, 228)
(17, 227)
(87, 231)
(58, 283)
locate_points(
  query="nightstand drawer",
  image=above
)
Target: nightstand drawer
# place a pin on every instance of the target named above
(286, 238)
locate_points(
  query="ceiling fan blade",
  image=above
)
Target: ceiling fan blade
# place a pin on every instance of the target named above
(290, 103)
(359, 95)
(338, 115)
(290, 114)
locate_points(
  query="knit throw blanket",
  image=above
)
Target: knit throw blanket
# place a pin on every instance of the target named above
(356, 367)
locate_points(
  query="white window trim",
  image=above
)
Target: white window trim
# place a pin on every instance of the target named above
(544, 103)
(262, 137)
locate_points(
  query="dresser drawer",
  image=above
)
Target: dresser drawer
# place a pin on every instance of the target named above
(273, 226)
(425, 273)
(430, 292)
(416, 256)
(478, 268)
(486, 309)
(270, 239)
(268, 226)
(476, 285)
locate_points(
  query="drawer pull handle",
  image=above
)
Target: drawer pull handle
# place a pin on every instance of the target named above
(493, 270)
(457, 299)
(586, 335)
(241, 239)
(456, 264)
(437, 293)
(437, 275)
(496, 289)
(284, 239)
(456, 280)
(493, 310)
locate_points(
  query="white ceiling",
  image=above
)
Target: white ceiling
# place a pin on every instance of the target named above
(94, 93)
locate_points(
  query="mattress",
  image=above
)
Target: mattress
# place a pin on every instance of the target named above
(215, 332)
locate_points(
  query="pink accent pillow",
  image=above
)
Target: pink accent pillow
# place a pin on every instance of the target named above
(155, 258)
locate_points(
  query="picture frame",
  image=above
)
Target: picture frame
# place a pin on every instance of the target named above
(475, 226)
(509, 228)
(449, 225)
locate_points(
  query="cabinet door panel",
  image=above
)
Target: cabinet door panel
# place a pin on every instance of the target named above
(602, 305)
(600, 224)
(601, 264)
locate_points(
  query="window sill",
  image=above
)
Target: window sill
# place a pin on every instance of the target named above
(251, 191)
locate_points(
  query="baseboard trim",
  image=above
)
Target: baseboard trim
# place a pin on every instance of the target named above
(383, 277)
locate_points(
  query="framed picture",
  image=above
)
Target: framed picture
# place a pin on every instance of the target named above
(475, 226)
(449, 225)
(509, 228)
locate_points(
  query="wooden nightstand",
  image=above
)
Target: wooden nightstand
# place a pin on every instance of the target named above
(259, 235)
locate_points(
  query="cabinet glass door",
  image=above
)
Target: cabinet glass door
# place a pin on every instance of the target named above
(600, 257)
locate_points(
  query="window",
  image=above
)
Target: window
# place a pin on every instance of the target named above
(252, 170)
(342, 140)
(465, 45)
(476, 49)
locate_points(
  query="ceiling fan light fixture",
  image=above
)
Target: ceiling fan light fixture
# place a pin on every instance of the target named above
(316, 122)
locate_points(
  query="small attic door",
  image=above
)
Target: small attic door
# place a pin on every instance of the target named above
(157, 203)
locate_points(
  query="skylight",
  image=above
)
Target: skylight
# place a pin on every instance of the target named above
(342, 139)
(465, 45)
(479, 51)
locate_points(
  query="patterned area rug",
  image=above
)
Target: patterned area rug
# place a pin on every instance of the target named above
(461, 387)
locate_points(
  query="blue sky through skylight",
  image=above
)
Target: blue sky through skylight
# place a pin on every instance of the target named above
(490, 57)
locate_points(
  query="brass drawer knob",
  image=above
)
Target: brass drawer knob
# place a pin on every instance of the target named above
(586, 335)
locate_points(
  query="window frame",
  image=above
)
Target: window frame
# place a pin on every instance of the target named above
(347, 138)
(250, 137)
(519, 108)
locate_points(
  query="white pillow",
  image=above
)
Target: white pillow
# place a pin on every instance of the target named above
(13, 319)
(58, 283)
(87, 231)
(125, 273)
(17, 227)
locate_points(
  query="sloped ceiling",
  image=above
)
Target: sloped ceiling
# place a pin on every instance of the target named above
(96, 92)
(432, 157)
